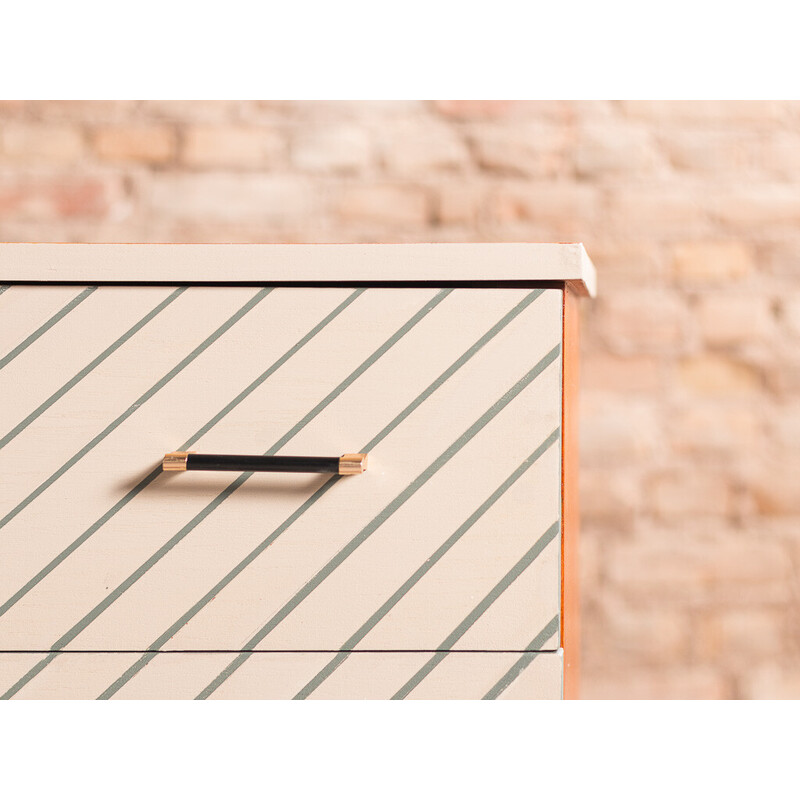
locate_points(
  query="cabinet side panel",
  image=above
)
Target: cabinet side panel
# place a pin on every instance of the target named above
(570, 511)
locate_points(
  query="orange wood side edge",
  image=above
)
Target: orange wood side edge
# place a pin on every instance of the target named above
(570, 512)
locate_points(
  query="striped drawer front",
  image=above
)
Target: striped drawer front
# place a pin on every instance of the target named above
(442, 559)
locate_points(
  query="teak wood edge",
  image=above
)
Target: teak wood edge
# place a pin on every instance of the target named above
(570, 510)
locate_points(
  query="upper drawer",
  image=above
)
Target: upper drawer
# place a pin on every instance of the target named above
(450, 540)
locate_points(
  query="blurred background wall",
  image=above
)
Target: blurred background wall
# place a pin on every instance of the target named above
(691, 354)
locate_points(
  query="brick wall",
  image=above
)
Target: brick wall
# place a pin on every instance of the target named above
(691, 382)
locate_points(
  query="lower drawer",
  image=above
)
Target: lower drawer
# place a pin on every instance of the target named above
(284, 676)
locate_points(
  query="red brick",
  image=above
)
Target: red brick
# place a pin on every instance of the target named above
(411, 148)
(559, 210)
(533, 149)
(618, 430)
(51, 143)
(460, 203)
(86, 111)
(232, 146)
(711, 375)
(209, 112)
(783, 421)
(642, 321)
(682, 682)
(386, 204)
(623, 374)
(730, 320)
(779, 154)
(705, 112)
(683, 493)
(613, 148)
(778, 680)
(723, 152)
(151, 145)
(220, 197)
(699, 263)
(657, 211)
(752, 207)
(774, 482)
(58, 197)
(790, 312)
(739, 635)
(720, 430)
(342, 148)
(471, 109)
(626, 263)
(611, 500)
(700, 566)
(644, 636)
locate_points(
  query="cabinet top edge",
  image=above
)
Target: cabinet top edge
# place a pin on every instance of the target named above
(187, 263)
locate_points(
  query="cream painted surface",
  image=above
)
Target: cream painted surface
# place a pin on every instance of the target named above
(72, 344)
(404, 542)
(23, 309)
(157, 580)
(280, 676)
(105, 474)
(541, 680)
(152, 518)
(265, 501)
(379, 567)
(265, 263)
(182, 676)
(14, 665)
(85, 411)
(463, 676)
(75, 676)
(427, 615)
(522, 610)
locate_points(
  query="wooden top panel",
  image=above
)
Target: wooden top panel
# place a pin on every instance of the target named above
(266, 263)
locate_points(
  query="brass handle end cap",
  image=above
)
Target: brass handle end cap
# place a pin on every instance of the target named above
(174, 462)
(353, 463)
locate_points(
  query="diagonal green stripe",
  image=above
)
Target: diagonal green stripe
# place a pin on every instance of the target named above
(248, 306)
(28, 676)
(242, 565)
(3, 288)
(42, 329)
(146, 481)
(231, 488)
(188, 443)
(324, 403)
(153, 475)
(322, 676)
(478, 611)
(387, 512)
(78, 377)
(433, 559)
(71, 548)
(147, 657)
(535, 647)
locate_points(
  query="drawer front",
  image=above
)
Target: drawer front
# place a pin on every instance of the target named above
(449, 541)
(287, 676)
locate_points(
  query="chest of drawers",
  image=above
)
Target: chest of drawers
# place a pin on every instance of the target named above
(447, 569)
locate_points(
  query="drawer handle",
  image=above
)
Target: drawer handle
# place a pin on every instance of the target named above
(348, 464)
